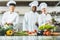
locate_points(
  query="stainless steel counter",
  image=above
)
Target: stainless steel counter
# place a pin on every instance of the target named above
(29, 37)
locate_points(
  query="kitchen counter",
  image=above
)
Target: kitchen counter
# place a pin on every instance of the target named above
(30, 37)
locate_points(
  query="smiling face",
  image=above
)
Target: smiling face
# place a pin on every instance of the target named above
(34, 8)
(11, 8)
(43, 10)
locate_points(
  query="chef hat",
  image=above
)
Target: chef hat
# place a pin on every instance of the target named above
(42, 5)
(11, 2)
(34, 3)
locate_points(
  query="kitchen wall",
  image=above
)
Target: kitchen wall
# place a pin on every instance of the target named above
(23, 9)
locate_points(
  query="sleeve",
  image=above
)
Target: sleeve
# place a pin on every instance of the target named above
(16, 20)
(3, 19)
(25, 22)
(39, 20)
(50, 18)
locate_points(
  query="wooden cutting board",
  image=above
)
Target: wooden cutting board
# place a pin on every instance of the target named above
(55, 33)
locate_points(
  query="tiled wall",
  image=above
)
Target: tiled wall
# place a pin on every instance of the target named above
(23, 9)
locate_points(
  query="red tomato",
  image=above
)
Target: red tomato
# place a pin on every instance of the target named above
(44, 33)
(30, 33)
(48, 33)
(35, 30)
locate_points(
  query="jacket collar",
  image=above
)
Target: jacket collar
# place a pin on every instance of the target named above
(33, 12)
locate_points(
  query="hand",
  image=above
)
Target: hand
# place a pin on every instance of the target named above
(9, 24)
(13, 30)
(36, 24)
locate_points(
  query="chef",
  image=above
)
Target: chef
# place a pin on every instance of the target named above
(31, 18)
(10, 17)
(44, 18)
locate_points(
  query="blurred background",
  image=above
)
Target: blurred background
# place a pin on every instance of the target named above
(23, 6)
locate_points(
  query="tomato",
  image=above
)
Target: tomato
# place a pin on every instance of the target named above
(30, 33)
(35, 30)
(48, 33)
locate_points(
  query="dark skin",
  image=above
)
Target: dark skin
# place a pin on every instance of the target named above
(36, 24)
(34, 8)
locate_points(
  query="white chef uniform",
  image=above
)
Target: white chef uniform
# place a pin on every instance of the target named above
(11, 2)
(10, 17)
(43, 18)
(30, 19)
